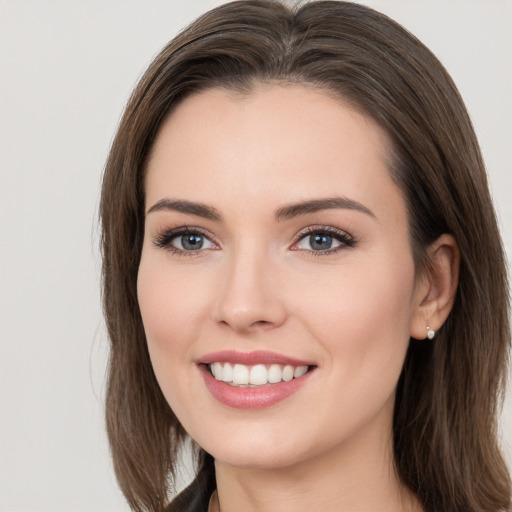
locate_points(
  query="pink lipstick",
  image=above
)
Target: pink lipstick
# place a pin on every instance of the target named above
(253, 380)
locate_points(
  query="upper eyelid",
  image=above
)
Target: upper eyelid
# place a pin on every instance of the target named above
(302, 231)
(319, 228)
(179, 230)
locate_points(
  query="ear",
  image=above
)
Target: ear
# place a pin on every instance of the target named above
(435, 290)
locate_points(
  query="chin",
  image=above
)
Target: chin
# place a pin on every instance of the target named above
(257, 459)
(263, 450)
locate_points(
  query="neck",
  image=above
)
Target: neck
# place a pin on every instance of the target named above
(356, 477)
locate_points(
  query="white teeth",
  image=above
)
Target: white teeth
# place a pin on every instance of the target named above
(299, 371)
(227, 375)
(257, 375)
(288, 373)
(240, 374)
(217, 370)
(274, 374)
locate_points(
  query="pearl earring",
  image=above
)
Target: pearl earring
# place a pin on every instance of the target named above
(430, 333)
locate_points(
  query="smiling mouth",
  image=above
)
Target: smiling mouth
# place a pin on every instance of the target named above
(253, 380)
(241, 375)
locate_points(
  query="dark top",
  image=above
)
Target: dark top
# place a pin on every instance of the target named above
(195, 497)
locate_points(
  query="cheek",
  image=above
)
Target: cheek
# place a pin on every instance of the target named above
(172, 308)
(362, 325)
(363, 316)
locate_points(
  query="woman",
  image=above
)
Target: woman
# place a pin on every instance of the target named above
(301, 259)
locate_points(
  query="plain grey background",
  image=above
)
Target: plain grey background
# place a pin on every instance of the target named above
(67, 68)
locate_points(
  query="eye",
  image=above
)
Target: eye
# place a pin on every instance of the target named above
(191, 242)
(323, 240)
(184, 240)
(318, 242)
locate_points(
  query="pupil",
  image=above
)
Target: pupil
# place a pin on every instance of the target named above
(191, 242)
(320, 242)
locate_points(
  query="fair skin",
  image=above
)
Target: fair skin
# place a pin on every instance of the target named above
(329, 284)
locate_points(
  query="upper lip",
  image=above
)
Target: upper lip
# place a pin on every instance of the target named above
(251, 358)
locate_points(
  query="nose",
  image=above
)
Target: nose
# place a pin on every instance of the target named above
(250, 297)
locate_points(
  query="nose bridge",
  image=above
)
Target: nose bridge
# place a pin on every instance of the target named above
(249, 298)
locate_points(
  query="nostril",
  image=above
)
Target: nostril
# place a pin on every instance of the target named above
(247, 326)
(261, 323)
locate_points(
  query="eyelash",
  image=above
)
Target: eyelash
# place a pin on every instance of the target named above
(163, 240)
(347, 241)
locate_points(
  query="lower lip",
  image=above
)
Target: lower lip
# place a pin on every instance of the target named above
(251, 397)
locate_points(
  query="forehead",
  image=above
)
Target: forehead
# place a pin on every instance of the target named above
(277, 143)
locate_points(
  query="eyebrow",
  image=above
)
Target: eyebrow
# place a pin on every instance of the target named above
(284, 213)
(182, 206)
(316, 205)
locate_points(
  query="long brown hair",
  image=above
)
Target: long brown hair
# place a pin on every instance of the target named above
(449, 392)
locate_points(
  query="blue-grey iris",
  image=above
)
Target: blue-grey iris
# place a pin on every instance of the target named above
(192, 242)
(320, 242)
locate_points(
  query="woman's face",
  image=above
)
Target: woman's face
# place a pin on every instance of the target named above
(275, 244)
